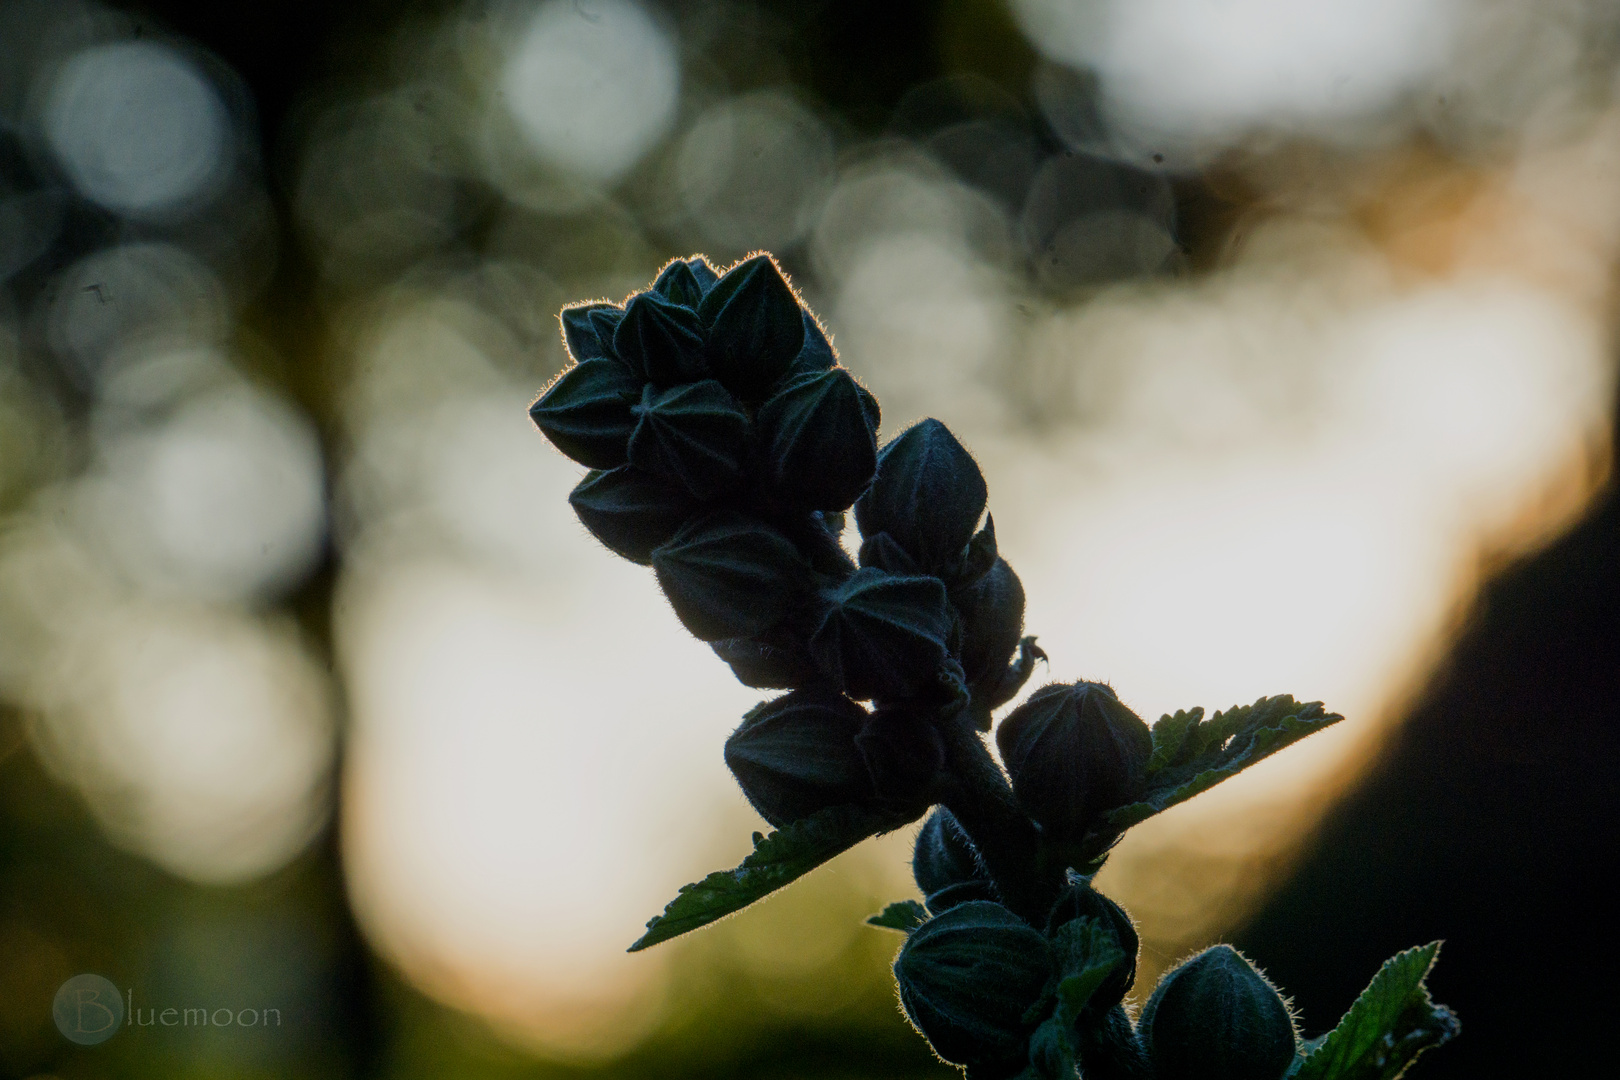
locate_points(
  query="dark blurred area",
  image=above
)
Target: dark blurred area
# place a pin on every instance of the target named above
(1485, 818)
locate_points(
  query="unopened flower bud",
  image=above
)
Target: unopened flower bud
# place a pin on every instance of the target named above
(817, 352)
(883, 635)
(904, 754)
(1080, 901)
(992, 610)
(588, 330)
(1216, 1018)
(684, 281)
(729, 575)
(928, 496)
(755, 325)
(776, 659)
(692, 434)
(818, 440)
(1074, 753)
(797, 755)
(967, 977)
(662, 341)
(944, 856)
(586, 412)
(631, 512)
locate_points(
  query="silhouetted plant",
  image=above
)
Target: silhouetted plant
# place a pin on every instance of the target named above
(726, 444)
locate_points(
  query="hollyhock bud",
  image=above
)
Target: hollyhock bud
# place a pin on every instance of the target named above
(797, 755)
(967, 977)
(586, 412)
(818, 440)
(631, 512)
(992, 610)
(755, 327)
(883, 636)
(1080, 901)
(1216, 1018)
(662, 341)
(1074, 753)
(588, 330)
(684, 281)
(817, 352)
(693, 434)
(729, 575)
(928, 496)
(946, 864)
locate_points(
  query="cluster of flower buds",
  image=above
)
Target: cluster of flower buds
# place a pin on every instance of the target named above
(725, 443)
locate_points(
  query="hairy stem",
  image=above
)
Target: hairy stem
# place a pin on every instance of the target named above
(978, 795)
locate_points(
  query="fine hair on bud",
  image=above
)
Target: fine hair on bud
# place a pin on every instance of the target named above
(1215, 1017)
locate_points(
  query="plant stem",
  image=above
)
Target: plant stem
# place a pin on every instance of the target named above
(978, 795)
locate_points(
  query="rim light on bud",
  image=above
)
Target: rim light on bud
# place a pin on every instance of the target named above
(797, 755)
(928, 496)
(630, 512)
(587, 414)
(756, 327)
(1216, 1018)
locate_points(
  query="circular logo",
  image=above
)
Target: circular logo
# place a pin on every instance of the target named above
(88, 1009)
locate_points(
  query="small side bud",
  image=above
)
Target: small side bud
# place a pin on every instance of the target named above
(1216, 1018)
(944, 856)
(904, 754)
(630, 512)
(883, 636)
(693, 434)
(817, 352)
(777, 659)
(588, 330)
(679, 282)
(755, 325)
(818, 439)
(729, 575)
(796, 755)
(1074, 753)
(586, 412)
(928, 496)
(1080, 901)
(967, 978)
(992, 610)
(662, 341)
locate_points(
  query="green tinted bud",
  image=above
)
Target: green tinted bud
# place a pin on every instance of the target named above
(883, 636)
(729, 575)
(817, 352)
(755, 325)
(1074, 753)
(966, 980)
(992, 610)
(588, 329)
(1080, 901)
(631, 512)
(777, 659)
(661, 340)
(904, 755)
(586, 412)
(1216, 1018)
(928, 496)
(944, 856)
(681, 282)
(692, 434)
(818, 439)
(796, 755)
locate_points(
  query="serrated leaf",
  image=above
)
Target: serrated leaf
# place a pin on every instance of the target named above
(1391, 1023)
(902, 915)
(1192, 755)
(782, 857)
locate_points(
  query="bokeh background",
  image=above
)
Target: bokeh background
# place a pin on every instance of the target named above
(1283, 333)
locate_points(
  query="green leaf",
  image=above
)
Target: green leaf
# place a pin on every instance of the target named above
(785, 855)
(1086, 952)
(903, 915)
(1192, 755)
(1391, 1023)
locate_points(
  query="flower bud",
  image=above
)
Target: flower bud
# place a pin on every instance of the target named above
(631, 512)
(1074, 753)
(684, 281)
(1216, 1018)
(817, 352)
(755, 325)
(883, 635)
(992, 610)
(586, 412)
(729, 575)
(904, 753)
(881, 552)
(588, 330)
(662, 341)
(967, 977)
(928, 496)
(796, 755)
(777, 659)
(818, 438)
(944, 856)
(1080, 901)
(692, 434)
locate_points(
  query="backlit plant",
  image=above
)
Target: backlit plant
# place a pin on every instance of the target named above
(726, 445)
